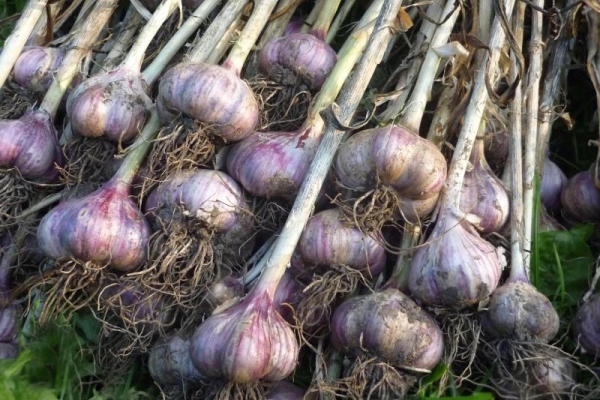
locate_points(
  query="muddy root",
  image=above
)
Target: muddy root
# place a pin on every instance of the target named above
(16, 194)
(219, 390)
(15, 100)
(87, 162)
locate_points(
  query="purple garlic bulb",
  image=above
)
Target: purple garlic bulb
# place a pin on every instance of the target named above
(298, 59)
(273, 164)
(209, 196)
(581, 199)
(395, 157)
(587, 326)
(552, 184)
(36, 66)
(284, 390)
(211, 94)
(483, 194)
(455, 268)
(9, 315)
(9, 350)
(326, 241)
(390, 325)
(224, 290)
(170, 362)
(113, 106)
(30, 145)
(294, 26)
(245, 343)
(104, 227)
(518, 311)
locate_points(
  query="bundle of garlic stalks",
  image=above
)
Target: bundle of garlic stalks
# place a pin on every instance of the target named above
(301, 199)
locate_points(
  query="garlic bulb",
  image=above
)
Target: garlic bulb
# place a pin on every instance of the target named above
(411, 165)
(105, 227)
(209, 196)
(284, 390)
(483, 194)
(581, 199)
(390, 325)
(210, 94)
(327, 241)
(170, 363)
(552, 185)
(455, 268)
(30, 145)
(36, 66)
(587, 326)
(114, 106)
(273, 164)
(518, 311)
(245, 343)
(297, 59)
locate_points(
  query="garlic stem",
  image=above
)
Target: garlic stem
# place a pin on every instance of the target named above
(221, 48)
(399, 277)
(127, 31)
(135, 57)
(517, 255)
(339, 19)
(43, 33)
(138, 150)
(438, 130)
(348, 55)
(256, 266)
(536, 50)
(323, 22)
(413, 113)
(228, 15)
(66, 14)
(47, 201)
(17, 39)
(349, 99)
(156, 67)
(84, 40)
(485, 16)
(241, 49)
(475, 109)
(312, 17)
(416, 56)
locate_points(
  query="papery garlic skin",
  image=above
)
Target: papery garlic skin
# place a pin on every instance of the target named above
(390, 325)
(207, 195)
(587, 326)
(297, 59)
(455, 268)
(552, 184)
(210, 94)
(104, 227)
(518, 311)
(411, 165)
(114, 106)
(272, 164)
(326, 241)
(580, 198)
(30, 145)
(483, 194)
(245, 343)
(36, 67)
(170, 363)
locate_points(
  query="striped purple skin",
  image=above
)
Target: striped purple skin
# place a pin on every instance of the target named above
(8, 323)
(114, 106)
(298, 58)
(209, 94)
(587, 326)
(483, 194)
(246, 343)
(36, 66)
(455, 268)
(211, 196)
(273, 164)
(580, 198)
(327, 241)
(30, 144)
(170, 363)
(411, 165)
(284, 390)
(518, 311)
(390, 325)
(105, 227)
(552, 185)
